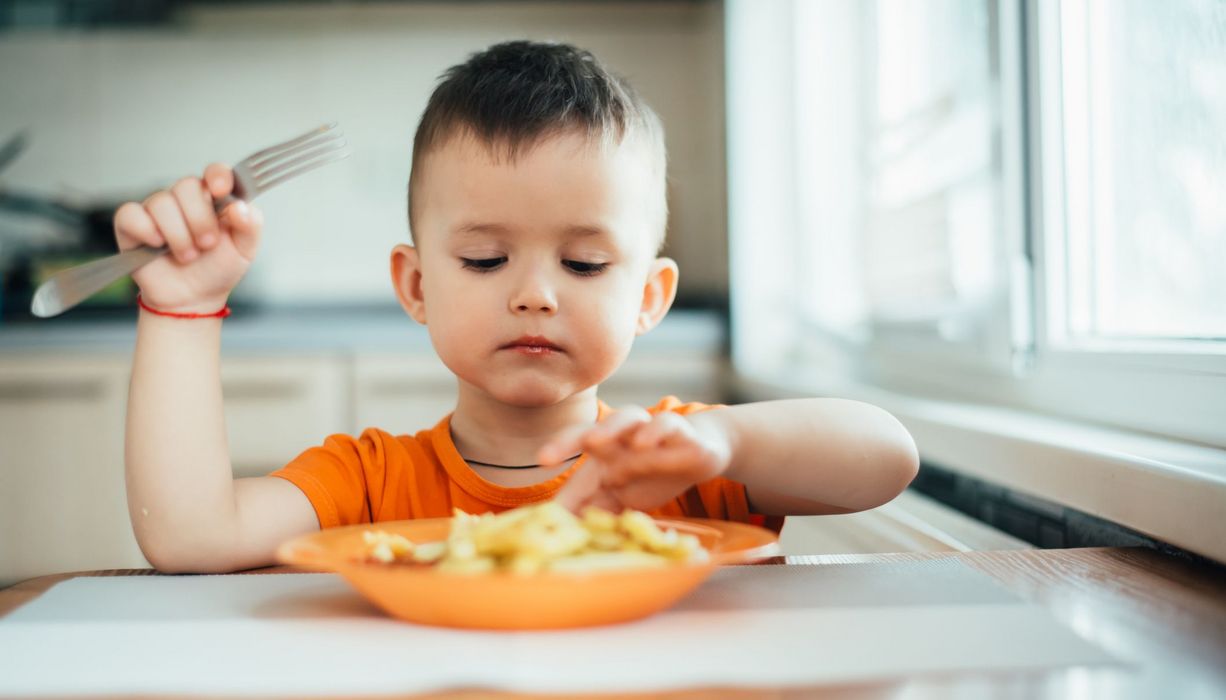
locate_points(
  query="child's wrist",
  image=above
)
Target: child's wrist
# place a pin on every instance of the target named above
(714, 432)
(203, 309)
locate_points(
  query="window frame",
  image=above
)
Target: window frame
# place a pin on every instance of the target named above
(1171, 388)
(999, 339)
(1135, 377)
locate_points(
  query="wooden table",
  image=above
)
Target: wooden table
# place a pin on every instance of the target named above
(1166, 613)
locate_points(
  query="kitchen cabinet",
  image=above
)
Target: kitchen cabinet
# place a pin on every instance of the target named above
(62, 500)
(276, 408)
(63, 503)
(400, 393)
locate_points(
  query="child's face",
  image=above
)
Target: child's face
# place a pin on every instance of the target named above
(534, 276)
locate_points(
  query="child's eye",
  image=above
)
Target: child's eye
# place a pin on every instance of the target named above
(483, 264)
(586, 269)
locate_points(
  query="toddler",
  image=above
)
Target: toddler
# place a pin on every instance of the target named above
(537, 212)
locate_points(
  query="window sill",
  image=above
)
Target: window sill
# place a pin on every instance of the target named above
(1169, 490)
(912, 522)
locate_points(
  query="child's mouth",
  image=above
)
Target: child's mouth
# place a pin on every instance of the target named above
(532, 345)
(533, 349)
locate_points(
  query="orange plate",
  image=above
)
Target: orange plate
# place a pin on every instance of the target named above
(501, 600)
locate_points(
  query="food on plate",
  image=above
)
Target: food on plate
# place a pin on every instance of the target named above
(543, 537)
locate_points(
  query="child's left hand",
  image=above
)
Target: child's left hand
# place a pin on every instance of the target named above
(636, 460)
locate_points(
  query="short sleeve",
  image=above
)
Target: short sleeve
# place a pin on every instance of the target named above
(338, 476)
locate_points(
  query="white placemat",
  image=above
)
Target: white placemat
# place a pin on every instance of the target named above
(310, 634)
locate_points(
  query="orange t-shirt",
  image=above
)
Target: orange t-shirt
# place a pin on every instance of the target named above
(380, 476)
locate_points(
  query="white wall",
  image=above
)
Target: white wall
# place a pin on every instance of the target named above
(118, 114)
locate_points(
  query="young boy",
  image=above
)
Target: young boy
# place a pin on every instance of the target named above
(537, 209)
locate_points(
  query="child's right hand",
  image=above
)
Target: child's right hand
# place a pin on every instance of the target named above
(209, 254)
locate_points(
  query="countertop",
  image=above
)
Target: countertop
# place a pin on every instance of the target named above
(375, 328)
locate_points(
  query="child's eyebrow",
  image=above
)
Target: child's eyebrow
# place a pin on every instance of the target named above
(581, 231)
(572, 231)
(478, 227)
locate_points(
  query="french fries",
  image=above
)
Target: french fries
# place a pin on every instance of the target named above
(543, 537)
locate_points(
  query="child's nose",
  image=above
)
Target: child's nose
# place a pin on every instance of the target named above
(534, 294)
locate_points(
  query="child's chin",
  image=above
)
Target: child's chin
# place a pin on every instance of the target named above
(530, 395)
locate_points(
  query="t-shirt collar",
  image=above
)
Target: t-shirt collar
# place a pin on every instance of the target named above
(509, 496)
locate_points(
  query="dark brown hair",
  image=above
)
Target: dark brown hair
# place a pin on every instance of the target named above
(514, 94)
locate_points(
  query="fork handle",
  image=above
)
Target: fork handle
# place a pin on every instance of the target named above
(73, 286)
(70, 287)
(111, 268)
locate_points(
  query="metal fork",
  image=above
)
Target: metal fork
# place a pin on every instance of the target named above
(253, 176)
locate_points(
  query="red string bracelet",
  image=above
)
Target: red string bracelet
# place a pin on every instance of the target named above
(222, 313)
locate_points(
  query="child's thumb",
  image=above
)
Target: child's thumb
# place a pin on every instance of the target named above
(245, 222)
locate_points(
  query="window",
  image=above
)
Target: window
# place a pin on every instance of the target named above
(936, 258)
(1130, 231)
(1142, 245)
(1011, 203)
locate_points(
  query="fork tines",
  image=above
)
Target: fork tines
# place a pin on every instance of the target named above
(276, 164)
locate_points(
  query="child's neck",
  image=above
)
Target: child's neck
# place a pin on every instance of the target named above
(498, 433)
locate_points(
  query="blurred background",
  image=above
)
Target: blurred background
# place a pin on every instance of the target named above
(117, 99)
(1000, 220)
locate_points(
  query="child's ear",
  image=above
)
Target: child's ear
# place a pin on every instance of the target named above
(406, 279)
(658, 293)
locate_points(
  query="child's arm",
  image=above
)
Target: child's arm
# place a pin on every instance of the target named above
(795, 457)
(187, 510)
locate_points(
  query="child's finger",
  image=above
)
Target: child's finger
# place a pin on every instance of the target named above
(661, 428)
(620, 463)
(579, 487)
(197, 206)
(219, 179)
(604, 500)
(570, 498)
(244, 222)
(243, 218)
(564, 445)
(586, 494)
(687, 460)
(164, 209)
(134, 226)
(616, 426)
(591, 437)
(560, 455)
(649, 494)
